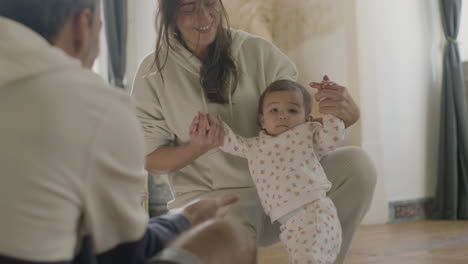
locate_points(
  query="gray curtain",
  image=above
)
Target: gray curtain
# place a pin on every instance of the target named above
(451, 201)
(115, 18)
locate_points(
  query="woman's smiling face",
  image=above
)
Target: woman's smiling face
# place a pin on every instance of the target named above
(198, 22)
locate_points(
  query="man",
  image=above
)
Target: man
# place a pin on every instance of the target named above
(72, 155)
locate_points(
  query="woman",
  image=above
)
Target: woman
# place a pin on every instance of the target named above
(200, 64)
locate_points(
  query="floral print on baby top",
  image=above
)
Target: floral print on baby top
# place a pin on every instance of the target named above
(286, 168)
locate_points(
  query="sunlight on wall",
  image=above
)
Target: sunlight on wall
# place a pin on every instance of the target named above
(288, 23)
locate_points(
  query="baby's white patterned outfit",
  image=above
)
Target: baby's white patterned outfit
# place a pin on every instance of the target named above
(292, 185)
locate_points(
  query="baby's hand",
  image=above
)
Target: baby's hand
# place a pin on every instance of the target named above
(326, 82)
(195, 125)
(206, 132)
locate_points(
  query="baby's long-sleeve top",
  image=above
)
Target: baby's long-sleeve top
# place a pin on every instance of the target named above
(286, 168)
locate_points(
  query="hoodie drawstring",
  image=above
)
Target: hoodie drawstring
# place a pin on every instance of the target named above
(205, 104)
(230, 100)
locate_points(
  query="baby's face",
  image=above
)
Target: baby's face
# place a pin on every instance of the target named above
(282, 110)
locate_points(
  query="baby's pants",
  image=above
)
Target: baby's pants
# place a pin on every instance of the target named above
(313, 234)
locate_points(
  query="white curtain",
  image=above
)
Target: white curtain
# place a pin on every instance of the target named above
(141, 33)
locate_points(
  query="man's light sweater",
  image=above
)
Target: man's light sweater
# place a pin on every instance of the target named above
(71, 161)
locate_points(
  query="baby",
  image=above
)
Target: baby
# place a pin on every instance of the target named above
(284, 163)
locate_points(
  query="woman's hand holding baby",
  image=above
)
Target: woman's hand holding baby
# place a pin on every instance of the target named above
(206, 132)
(335, 99)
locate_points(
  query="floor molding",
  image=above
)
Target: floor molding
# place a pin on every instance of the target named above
(410, 210)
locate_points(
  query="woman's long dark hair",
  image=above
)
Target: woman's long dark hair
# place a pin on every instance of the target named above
(218, 71)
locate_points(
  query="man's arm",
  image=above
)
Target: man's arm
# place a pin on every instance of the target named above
(113, 219)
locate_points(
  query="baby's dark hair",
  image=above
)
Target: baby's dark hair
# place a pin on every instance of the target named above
(290, 86)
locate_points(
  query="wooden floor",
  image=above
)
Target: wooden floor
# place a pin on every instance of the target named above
(423, 242)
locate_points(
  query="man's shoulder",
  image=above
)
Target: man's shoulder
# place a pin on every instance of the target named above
(86, 86)
(79, 96)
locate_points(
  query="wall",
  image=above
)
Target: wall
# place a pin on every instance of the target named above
(364, 28)
(409, 59)
(399, 56)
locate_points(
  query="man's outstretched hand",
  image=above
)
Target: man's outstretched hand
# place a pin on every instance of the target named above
(200, 211)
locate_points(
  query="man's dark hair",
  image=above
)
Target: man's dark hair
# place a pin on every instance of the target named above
(287, 85)
(46, 17)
